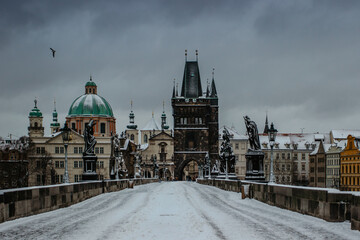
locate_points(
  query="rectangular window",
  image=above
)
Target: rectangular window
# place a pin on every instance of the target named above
(76, 150)
(102, 127)
(62, 164)
(283, 155)
(80, 164)
(243, 146)
(61, 178)
(101, 150)
(303, 167)
(73, 126)
(38, 150)
(76, 178)
(57, 150)
(288, 156)
(236, 146)
(38, 179)
(96, 150)
(76, 165)
(42, 150)
(37, 164)
(57, 180)
(61, 149)
(101, 164)
(57, 164)
(80, 149)
(303, 156)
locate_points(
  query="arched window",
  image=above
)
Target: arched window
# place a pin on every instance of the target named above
(35, 124)
(145, 138)
(132, 137)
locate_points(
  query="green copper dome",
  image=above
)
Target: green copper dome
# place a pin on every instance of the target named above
(90, 105)
(90, 83)
(35, 112)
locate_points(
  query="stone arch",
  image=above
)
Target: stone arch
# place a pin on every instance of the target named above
(181, 165)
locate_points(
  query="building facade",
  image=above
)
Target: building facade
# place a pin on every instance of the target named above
(47, 158)
(196, 126)
(350, 165)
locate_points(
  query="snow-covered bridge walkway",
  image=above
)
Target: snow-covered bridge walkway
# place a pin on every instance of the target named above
(173, 210)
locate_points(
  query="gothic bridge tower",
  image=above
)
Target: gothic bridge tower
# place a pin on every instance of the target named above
(196, 126)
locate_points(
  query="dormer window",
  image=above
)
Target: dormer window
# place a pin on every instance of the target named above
(277, 145)
(264, 145)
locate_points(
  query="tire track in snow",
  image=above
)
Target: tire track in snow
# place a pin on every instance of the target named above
(217, 230)
(268, 223)
(265, 214)
(113, 229)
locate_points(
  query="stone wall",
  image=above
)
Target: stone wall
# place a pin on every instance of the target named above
(330, 205)
(21, 202)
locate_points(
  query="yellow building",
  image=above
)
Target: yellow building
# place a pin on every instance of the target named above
(350, 166)
(47, 158)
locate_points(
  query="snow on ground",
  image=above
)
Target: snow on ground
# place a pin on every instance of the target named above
(173, 210)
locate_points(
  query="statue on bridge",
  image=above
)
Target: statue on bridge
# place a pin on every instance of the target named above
(89, 157)
(252, 133)
(254, 156)
(227, 155)
(89, 138)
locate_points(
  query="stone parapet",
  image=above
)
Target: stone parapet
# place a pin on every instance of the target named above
(21, 202)
(328, 204)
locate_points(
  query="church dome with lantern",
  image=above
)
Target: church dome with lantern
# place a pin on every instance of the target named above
(91, 106)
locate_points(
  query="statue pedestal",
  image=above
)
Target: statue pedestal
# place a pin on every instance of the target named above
(89, 163)
(254, 165)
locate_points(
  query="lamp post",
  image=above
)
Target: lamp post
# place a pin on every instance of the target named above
(272, 136)
(66, 136)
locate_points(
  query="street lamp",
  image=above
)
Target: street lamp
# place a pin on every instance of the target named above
(272, 136)
(66, 136)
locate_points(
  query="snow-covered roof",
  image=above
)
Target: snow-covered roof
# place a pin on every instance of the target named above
(151, 125)
(296, 141)
(344, 133)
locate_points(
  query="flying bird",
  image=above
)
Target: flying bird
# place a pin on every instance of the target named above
(53, 52)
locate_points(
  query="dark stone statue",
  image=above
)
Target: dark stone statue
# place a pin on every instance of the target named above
(89, 139)
(89, 156)
(226, 153)
(254, 156)
(252, 133)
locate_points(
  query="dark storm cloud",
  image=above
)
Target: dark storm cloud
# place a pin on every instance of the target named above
(298, 60)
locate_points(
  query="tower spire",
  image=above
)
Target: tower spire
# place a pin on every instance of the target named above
(266, 129)
(185, 55)
(207, 88)
(174, 94)
(197, 54)
(213, 88)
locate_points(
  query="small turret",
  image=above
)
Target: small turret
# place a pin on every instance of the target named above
(36, 128)
(163, 119)
(90, 87)
(55, 126)
(132, 124)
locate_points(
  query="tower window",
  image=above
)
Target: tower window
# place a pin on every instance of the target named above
(132, 137)
(145, 138)
(102, 127)
(73, 126)
(36, 124)
(89, 90)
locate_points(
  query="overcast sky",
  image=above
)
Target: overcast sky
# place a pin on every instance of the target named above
(297, 60)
